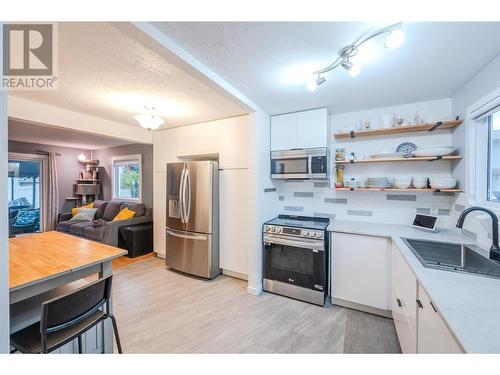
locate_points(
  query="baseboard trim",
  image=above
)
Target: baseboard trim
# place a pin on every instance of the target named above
(236, 275)
(160, 255)
(360, 307)
(254, 291)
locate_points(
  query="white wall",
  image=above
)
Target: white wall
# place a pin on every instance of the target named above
(314, 198)
(35, 112)
(4, 247)
(484, 82)
(265, 207)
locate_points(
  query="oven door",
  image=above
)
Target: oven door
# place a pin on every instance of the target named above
(296, 261)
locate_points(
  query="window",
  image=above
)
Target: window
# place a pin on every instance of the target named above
(483, 159)
(127, 178)
(493, 193)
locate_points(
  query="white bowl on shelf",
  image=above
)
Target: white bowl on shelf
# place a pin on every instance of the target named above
(419, 182)
(402, 182)
(434, 151)
(443, 183)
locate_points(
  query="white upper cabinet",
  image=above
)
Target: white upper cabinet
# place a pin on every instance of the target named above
(306, 129)
(164, 149)
(198, 139)
(234, 146)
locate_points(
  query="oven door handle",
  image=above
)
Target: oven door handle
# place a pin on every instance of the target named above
(312, 245)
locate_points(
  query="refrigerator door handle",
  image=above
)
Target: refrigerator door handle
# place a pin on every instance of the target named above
(181, 196)
(187, 188)
(187, 236)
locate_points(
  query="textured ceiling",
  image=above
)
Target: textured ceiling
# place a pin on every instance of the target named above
(270, 62)
(55, 136)
(106, 73)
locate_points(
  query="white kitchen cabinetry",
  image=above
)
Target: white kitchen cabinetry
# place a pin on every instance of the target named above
(164, 149)
(306, 129)
(235, 227)
(433, 334)
(198, 140)
(360, 271)
(234, 144)
(159, 212)
(404, 306)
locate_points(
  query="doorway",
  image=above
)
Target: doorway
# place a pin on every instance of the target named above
(26, 193)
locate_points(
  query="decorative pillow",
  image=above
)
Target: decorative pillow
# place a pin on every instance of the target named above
(84, 214)
(74, 211)
(124, 214)
(26, 217)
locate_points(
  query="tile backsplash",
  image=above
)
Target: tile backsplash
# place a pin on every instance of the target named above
(309, 198)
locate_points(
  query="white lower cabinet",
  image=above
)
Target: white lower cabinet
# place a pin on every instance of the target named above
(433, 334)
(404, 306)
(360, 270)
(234, 221)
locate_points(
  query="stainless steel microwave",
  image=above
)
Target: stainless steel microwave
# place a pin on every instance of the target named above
(300, 164)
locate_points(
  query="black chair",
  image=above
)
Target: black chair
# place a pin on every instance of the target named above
(67, 317)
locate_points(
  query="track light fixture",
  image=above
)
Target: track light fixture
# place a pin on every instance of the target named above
(395, 37)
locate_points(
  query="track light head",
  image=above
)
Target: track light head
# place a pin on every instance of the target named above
(353, 69)
(315, 82)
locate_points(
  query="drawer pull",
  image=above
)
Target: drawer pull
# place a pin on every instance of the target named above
(419, 304)
(435, 310)
(398, 301)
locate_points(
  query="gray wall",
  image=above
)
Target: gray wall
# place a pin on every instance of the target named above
(68, 167)
(105, 156)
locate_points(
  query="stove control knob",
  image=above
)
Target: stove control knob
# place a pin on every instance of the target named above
(319, 235)
(275, 230)
(306, 233)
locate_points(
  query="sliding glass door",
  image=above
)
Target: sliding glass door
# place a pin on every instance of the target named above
(26, 178)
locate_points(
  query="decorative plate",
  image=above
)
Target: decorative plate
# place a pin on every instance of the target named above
(406, 148)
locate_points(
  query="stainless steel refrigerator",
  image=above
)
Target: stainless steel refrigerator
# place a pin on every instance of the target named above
(192, 244)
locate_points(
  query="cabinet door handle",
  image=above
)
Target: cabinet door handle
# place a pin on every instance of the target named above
(419, 304)
(435, 310)
(398, 301)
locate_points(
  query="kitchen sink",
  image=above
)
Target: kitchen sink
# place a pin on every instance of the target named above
(453, 257)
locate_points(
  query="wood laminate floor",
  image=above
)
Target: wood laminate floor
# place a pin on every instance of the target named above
(163, 311)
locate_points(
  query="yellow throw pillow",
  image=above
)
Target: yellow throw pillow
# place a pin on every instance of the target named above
(74, 211)
(124, 214)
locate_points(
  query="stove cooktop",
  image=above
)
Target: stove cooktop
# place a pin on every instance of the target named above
(317, 223)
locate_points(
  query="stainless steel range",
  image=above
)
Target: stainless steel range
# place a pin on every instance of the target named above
(296, 257)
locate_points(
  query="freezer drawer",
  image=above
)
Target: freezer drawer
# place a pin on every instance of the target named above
(193, 253)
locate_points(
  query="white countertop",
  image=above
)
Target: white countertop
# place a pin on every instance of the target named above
(469, 304)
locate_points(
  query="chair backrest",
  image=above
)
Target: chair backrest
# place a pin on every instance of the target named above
(69, 309)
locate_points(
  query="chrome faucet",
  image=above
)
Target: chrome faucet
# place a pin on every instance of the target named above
(494, 249)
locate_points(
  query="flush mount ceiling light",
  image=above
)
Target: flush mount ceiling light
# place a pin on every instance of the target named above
(149, 120)
(394, 38)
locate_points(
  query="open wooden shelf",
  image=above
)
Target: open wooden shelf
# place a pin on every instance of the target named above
(431, 190)
(400, 129)
(392, 160)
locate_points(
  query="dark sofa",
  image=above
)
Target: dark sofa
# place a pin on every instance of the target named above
(107, 231)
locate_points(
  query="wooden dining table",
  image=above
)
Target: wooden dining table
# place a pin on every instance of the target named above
(42, 263)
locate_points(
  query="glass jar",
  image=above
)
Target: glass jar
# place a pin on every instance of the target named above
(340, 175)
(340, 154)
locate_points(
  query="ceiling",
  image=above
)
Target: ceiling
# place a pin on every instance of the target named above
(270, 62)
(55, 136)
(107, 73)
